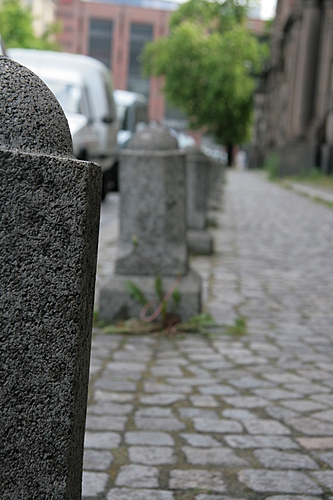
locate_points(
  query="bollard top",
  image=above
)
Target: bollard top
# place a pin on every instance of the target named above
(32, 119)
(153, 139)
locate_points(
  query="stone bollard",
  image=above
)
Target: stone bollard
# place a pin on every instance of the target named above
(216, 179)
(49, 206)
(197, 172)
(153, 212)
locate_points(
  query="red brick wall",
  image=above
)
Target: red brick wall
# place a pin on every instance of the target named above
(74, 16)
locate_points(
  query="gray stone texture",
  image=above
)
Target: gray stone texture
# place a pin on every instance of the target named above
(263, 481)
(152, 207)
(273, 265)
(197, 181)
(151, 455)
(153, 211)
(275, 459)
(49, 205)
(137, 476)
(214, 456)
(142, 494)
(93, 483)
(196, 479)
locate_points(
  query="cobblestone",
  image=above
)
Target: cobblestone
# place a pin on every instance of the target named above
(222, 417)
(197, 479)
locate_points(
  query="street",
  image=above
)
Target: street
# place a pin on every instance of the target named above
(225, 416)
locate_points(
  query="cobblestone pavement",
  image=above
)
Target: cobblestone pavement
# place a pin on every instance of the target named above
(227, 417)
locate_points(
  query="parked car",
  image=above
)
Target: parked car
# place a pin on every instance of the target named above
(83, 87)
(132, 112)
(2, 48)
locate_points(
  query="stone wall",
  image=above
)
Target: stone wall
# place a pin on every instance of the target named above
(293, 103)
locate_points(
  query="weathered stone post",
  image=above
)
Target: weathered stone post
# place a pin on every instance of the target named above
(197, 178)
(153, 212)
(216, 178)
(49, 213)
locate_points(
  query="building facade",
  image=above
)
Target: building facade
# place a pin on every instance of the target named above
(115, 33)
(294, 101)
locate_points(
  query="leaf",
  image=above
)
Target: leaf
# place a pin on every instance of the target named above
(159, 286)
(134, 291)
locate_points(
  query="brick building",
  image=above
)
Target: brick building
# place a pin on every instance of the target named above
(115, 32)
(294, 103)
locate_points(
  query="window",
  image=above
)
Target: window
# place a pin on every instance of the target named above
(140, 35)
(100, 40)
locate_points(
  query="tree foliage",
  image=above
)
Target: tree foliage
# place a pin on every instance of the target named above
(209, 62)
(16, 28)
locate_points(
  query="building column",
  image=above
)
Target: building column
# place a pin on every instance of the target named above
(305, 68)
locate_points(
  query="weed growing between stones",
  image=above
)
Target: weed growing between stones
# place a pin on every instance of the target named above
(238, 328)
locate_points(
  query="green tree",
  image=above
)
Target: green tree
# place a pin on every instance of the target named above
(16, 28)
(210, 61)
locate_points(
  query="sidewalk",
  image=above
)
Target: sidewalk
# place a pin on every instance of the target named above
(226, 417)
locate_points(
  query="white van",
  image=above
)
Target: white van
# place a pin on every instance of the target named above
(84, 89)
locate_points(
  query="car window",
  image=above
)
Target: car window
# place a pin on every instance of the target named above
(69, 96)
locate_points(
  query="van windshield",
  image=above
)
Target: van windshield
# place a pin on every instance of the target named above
(68, 95)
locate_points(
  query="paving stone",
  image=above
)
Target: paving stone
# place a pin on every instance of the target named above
(246, 401)
(162, 399)
(148, 438)
(101, 440)
(113, 397)
(96, 460)
(200, 441)
(307, 388)
(154, 411)
(109, 384)
(128, 494)
(166, 371)
(284, 378)
(105, 423)
(105, 408)
(238, 414)
(323, 415)
(263, 481)
(278, 442)
(218, 426)
(291, 497)
(204, 401)
(325, 457)
(250, 383)
(151, 455)
(196, 479)
(191, 381)
(197, 413)
(275, 394)
(137, 476)
(326, 399)
(217, 390)
(159, 424)
(265, 426)
(215, 456)
(325, 478)
(217, 365)
(93, 483)
(311, 427)
(274, 459)
(125, 367)
(173, 360)
(303, 406)
(316, 443)
(280, 413)
(203, 496)
(165, 388)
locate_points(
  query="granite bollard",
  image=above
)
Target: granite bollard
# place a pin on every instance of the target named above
(197, 172)
(153, 212)
(49, 206)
